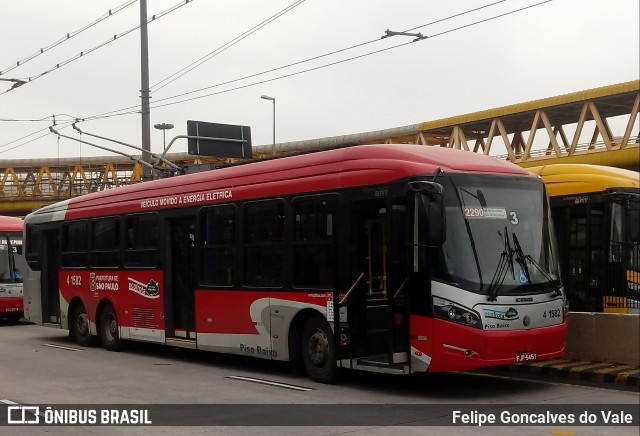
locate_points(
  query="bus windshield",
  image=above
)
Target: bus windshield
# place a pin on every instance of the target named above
(499, 236)
(11, 260)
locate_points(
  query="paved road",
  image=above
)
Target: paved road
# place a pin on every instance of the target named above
(40, 365)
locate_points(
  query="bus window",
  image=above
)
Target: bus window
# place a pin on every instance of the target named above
(313, 243)
(74, 245)
(218, 246)
(6, 275)
(141, 241)
(105, 242)
(264, 244)
(32, 250)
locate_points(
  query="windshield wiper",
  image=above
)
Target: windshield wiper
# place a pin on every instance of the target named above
(470, 234)
(504, 264)
(522, 259)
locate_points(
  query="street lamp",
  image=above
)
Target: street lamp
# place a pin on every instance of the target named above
(273, 147)
(164, 127)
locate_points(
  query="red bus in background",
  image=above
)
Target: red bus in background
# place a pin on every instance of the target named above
(388, 258)
(11, 267)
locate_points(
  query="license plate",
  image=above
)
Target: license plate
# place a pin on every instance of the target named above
(526, 357)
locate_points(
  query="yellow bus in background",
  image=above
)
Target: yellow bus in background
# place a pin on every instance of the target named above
(595, 211)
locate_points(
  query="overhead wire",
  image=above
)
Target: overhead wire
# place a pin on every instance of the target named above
(64, 125)
(99, 46)
(111, 12)
(180, 73)
(337, 62)
(25, 143)
(7, 120)
(63, 122)
(47, 119)
(126, 111)
(110, 113)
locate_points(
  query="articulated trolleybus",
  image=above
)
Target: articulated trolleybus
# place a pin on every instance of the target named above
(11, 266)
(388, 258)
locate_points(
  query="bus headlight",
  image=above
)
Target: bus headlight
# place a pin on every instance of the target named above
(450, 311)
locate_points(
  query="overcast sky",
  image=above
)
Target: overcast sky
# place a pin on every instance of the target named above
(558, 47)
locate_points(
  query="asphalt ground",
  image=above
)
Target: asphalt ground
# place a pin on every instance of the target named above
(602, 374)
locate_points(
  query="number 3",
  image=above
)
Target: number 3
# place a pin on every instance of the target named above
(514, 218)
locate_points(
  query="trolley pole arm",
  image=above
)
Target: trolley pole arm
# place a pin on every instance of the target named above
(140, 161)
(160, 158)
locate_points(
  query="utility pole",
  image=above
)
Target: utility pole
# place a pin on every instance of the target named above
(144, 87)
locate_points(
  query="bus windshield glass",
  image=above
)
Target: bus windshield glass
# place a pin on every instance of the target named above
(11, 260)
(499, 236)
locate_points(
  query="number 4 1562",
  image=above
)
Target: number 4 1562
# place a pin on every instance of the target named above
(553, 313)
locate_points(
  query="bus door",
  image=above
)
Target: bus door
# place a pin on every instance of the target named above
(49, 277)
(580, 243)
(179, 284)
(376, 308)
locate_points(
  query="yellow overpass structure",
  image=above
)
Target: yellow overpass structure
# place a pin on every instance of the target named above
(540, 132)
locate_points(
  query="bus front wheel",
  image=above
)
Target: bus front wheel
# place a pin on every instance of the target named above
(14, 317)
(318, 350)
(109, 331)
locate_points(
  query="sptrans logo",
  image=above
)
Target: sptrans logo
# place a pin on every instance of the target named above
(33, 415)
(506, 315)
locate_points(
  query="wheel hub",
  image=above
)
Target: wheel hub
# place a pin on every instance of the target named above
(83, 324)
(318, 348)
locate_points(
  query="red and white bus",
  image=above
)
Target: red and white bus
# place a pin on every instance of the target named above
(11, 267)
(389, 258)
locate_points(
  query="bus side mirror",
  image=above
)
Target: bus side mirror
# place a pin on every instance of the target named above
(431, 222)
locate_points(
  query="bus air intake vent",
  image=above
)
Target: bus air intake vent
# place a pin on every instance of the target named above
(144, 317)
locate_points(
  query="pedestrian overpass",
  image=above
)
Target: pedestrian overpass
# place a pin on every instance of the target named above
(594, 126)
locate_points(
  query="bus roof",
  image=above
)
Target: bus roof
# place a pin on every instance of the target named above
(317, 171)
(570, 179)
(10, 224)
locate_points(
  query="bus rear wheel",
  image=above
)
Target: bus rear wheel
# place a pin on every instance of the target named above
(109, 331)
(318, 350)
(80, 327)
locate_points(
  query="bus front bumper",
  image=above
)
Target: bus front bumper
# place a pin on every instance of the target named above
(454, 347)
(11, 305)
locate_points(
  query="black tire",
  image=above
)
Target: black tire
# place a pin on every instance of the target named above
(79, 330)
(14, 318)
(108, 328)
(318, 350)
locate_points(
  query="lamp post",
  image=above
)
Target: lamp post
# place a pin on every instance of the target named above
(273, 147)
(164, 127)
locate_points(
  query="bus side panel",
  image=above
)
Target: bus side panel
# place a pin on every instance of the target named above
(32, 296)
(254, 323)
(492, 347)
(135, 294)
